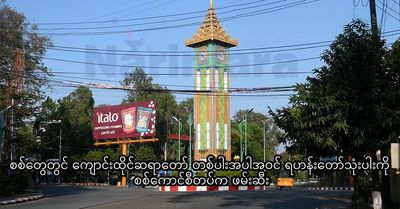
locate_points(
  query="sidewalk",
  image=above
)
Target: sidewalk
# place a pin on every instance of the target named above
(20, 198)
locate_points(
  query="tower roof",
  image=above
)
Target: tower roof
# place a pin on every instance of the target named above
(211, 30)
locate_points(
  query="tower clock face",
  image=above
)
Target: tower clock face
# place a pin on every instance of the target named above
(203, 55)
(221, 55)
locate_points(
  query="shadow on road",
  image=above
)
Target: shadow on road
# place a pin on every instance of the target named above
(51, 190)
(271, 198)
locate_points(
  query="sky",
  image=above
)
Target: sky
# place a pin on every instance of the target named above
(263, 26)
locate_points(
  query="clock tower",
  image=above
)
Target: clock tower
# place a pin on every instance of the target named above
(211, 44)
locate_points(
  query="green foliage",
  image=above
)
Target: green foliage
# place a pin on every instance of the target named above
(338, 110)
(76, 113)
(18, 34)
(26, 143)
(97, 155)
(14, 183)
(145, 153)
(352, 104)
(144, 90)
(255, 134)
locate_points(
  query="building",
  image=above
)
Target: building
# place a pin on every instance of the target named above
(212, 44)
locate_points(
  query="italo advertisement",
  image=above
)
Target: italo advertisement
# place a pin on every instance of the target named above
(124, 121)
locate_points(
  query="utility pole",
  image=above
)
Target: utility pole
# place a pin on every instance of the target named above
(264, 125)
(13, 135)
(374, 22)
(15, 86)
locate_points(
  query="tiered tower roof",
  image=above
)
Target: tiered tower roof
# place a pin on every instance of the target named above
(211, 30)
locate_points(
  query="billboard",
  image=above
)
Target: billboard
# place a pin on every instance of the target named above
(132, 120)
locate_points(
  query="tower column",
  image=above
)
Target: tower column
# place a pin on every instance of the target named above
(212, 108)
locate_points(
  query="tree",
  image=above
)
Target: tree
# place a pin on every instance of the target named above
(142, 90)
(145, 153)
(335, 111)
(255, 134)
(49, 148)
(76, 113)
(183, 109)
(351, 105)
(18, 35)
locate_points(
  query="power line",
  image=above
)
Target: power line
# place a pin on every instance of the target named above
(146, 18)
(155, 89)
(175, 91)
(248, 14)
(194, 93)
(125, 87)
(300, 45)
(160, 21)
(387, 12)
(93, 51)
(177, 67)
(182, 74)
(114, 81)
(119, 81)
(191, 52)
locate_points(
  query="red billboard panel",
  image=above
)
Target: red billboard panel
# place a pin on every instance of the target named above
(124, 121)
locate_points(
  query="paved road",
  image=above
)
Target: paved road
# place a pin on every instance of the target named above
(71, 197)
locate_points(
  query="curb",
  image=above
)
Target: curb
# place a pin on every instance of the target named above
(22, 199)
(209, 188)
(331, 188)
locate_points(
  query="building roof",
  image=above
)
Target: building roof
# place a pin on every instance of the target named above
(211, 30)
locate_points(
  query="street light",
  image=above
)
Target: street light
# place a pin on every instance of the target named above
(245, 130)
(60, 144)
(6, 108)
(264, 123)
(190, 122)
(179, 137)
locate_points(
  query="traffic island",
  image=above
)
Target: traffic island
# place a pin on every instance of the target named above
(208, 188)
(85, 184)
(331, 188)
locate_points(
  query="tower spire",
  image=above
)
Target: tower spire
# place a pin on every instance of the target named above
(211, 30)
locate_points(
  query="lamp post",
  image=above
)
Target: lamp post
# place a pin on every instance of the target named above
(241, 140)
(38, 158)
(190, 122)
(264, 125)
(245, 131)
(179, 137)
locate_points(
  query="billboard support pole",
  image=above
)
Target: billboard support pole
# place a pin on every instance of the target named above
(124, 151)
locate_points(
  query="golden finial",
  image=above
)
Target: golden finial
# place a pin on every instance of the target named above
(211, 3)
